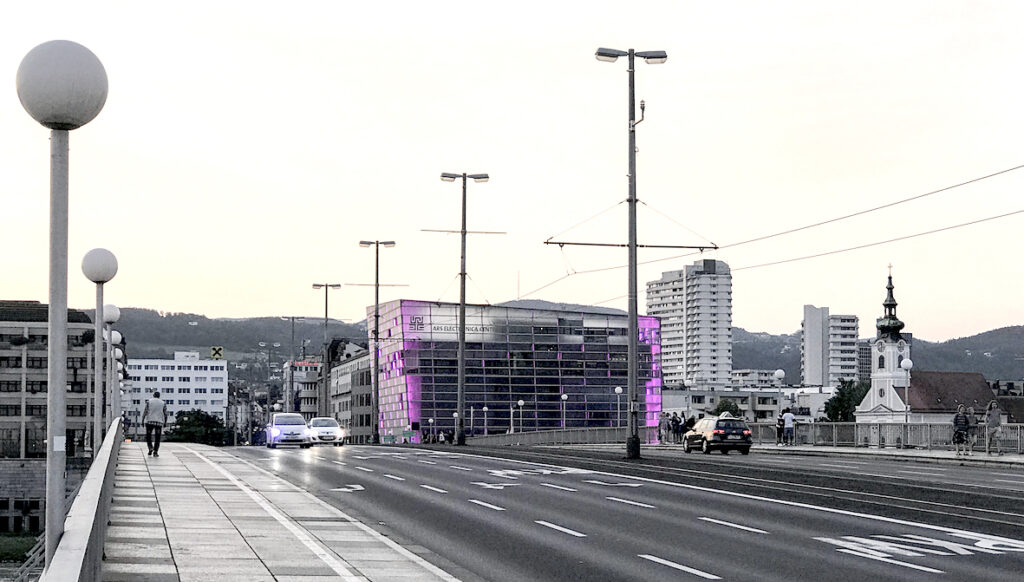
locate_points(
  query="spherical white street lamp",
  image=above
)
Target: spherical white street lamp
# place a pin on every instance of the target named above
(99, 266)
(564, 398)
(485, 409)
(521, 403)
(618, 406)
(780, 375)
(63, 86)
(907, 364)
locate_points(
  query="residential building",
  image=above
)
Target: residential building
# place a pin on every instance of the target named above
(185, 383)
(828, 347)
(755, 405)
(302, 386)
(512, 354)
(755, 379)
(695, 306)
(351, 388)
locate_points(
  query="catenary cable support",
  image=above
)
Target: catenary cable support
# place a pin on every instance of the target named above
(874, 244)
(613, 206)
(676, 222)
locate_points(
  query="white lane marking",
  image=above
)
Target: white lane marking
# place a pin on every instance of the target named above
(458, 468)
(356, 523)
(560, 528)
(921, 473)
(776, 461)
(1009, 481)
(868, 516)
(319, 457)
(498, 486)
(339, 463)
(433, 488)
(596, 482)
(302, 535)
(553, 486)
(395, 477)
(488, 505)
(364, 469)
(688, 569)
(1008, 474)
(890, 561)
(836, 466)
(735, 525)
(428, 462)
(628, 502)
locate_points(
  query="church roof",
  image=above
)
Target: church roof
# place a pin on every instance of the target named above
(938, 392)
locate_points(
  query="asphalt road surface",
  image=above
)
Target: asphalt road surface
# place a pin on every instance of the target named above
(553, 514)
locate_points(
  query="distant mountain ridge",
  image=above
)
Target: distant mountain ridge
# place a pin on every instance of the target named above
(997, 354)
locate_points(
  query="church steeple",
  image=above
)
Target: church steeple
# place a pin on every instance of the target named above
(889, 325)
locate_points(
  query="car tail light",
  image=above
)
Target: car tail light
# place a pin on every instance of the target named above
(718, 431)
(746, 431)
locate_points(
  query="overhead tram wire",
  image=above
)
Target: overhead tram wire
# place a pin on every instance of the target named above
(874, 244)
(798, 229)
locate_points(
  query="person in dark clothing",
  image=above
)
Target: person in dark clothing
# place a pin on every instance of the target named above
(155, 417)
(960, 426)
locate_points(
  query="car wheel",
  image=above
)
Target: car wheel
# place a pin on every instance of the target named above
(705, 447)
(686, 447)
(268, 445)
(745, 451)
(272, 446)
(725, 451)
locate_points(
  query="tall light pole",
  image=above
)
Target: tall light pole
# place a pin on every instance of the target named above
(375, 394)
(521, 403)
(63, 86)
(111, 315)
(321, 404)
(564, 398)
(618, 406)
(633, 394)
(291, 365)
(99, 266)
(485, 409)
(460, 433)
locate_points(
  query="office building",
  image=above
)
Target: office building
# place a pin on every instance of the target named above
(184, 383)
(512, 354)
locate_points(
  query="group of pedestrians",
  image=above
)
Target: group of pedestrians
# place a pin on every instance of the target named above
(965, 429)
(785, 424)
(672, 427)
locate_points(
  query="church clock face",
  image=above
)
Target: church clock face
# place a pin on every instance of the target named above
(880, 346)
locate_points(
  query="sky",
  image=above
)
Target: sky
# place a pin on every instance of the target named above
(245, 149)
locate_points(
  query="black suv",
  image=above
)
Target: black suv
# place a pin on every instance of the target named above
(722, 433)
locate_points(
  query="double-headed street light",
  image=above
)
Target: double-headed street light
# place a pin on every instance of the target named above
(375, 394)
(652, 57)
(63, 86)
(460, 433)
(321, 401)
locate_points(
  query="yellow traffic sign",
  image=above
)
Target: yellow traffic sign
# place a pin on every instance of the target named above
(217, 352)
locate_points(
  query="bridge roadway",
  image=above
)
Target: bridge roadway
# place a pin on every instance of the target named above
(585, 514)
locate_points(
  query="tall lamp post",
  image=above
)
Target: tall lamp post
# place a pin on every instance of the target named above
(618, 406)
(99, 266)
(521, 403)
(375, 393)
(321, 404)
(564, 397)
(111, 314)
(652, 57)
(63, 86)
(907, 365)
(291, 365)
(460, 433)
(485, 409)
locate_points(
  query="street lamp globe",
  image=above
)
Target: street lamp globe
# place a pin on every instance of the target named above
(99, 265)
(111, 314)
(521, 403)
(907, 364)
(565, 397)
(455, 415)
(780, 375)
(62, 84)
(115, 337)
(485, 409)
(618, 390)
(118, 354)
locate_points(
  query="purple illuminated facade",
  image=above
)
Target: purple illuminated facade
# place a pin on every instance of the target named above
(512, 354)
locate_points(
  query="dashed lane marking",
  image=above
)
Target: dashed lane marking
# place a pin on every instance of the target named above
(564, 530)
(735, 525)
(395, 477)
(458, 468)
(559, 487)
(487, 505)
(433, 489)
(664, 562)
(364, 469)
(628, 502)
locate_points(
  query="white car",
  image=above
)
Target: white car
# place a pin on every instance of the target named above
(287, 428)
(325, 430)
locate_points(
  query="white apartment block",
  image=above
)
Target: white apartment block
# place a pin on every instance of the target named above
(302, 378)
(184, 383)
(695, 307)
(755, 379)
(828, 347)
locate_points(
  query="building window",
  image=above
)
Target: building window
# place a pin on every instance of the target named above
(881, 362)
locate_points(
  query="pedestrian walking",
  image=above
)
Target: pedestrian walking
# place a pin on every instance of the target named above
(663, 428)
(779, 425)
(788, 425)
(993, 428)
(972, 430)
(960, 424)
(155, 417)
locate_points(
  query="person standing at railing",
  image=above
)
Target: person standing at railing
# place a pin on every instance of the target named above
(993, 428)
(788, 426)
(780, 425)
(155, 417)
(960, 424)
(972, 430)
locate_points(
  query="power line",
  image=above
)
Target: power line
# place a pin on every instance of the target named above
(864, 246)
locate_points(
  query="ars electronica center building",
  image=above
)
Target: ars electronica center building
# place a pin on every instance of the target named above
(512, 354)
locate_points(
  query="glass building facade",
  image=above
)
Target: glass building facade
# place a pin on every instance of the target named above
(512, 354)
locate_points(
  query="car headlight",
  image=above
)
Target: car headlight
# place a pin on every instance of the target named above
(275, 432)
(341, 433)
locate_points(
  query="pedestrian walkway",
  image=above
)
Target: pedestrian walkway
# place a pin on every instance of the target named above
(197, 513)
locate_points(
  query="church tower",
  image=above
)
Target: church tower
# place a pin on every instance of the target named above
(882, 403)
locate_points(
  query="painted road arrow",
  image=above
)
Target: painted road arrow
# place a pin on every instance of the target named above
(349, 488)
